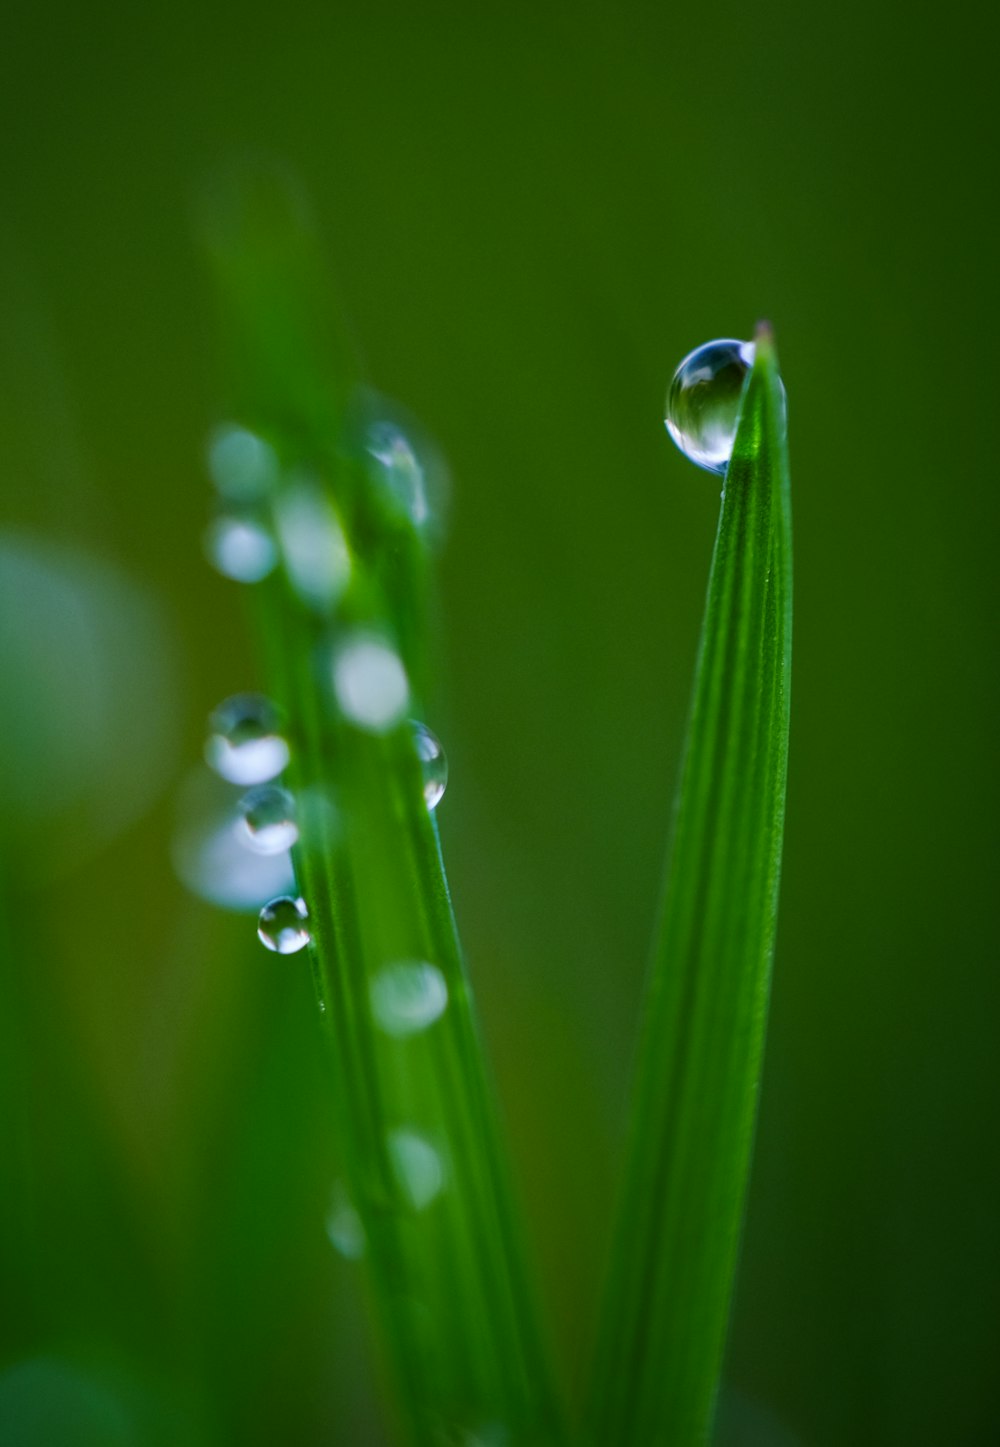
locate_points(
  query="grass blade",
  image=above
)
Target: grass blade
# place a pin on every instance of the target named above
(422, 1154)
(663, 1328)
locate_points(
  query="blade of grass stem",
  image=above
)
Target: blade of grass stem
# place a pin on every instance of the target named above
(418, 1133)
(673, 1262)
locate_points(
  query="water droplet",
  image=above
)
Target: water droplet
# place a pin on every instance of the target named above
(417, 1166)
(400, 470)
(242, 465)
(269, 819)
(245, 745)
(433, 761)
(240, 548)
(703, 403)
(344, 1226)
(210, 849)
(313, 545)
(407, 997)
(370, 683)
(283, 925)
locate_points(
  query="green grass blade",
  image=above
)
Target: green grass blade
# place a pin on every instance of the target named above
(422, 1154)
(663, 1329)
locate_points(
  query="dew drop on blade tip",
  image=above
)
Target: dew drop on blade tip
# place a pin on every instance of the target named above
(283, 925)
(703, 401)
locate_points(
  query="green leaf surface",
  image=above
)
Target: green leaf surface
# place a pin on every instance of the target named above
(663, 1328)
(425, 1196)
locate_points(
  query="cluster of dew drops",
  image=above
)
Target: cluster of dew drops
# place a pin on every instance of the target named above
(245, 744)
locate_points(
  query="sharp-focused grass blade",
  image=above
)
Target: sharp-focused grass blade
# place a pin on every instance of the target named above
(663, 1329)
(427, 1197)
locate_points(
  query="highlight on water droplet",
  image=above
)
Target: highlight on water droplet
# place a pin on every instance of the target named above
(245, 744)
(417, 1167)
(370, 683)
(704, 398)
(313, 545)
(240, 548)
(283, 925)
(344, 1226)
(433, 762)
(407, 997)
(242, 465)
(269, 819)
(400, 470)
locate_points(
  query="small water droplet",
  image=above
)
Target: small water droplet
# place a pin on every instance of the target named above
(408, 996)
(400, 470)
(245, 745)
(240, 548)
(313, 545)
(242, 465)
(269, 819)
(283, 925)
(703, 402)
(417, 1166)
(344, 1226)
(370, 683)
(433, 761)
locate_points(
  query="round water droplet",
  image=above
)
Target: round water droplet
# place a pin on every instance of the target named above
(703, 403)
(370, 683)
(417, 1166)
(245, 745)
(433, 762)
(243, 466)
(313, 545)
(269, 819)
(344, 1226)
(283, 925)
(240, 548)
(407, 997)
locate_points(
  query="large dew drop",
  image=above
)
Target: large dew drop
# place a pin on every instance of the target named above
(269, 819)
(245, 745)
(408, 996)
(283, 925)
(370, 683)
(703, 403)
(432, 761)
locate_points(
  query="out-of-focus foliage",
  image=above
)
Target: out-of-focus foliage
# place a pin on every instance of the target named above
(532, 214)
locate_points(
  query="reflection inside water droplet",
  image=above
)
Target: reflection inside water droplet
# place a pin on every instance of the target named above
(417, 1167)
(370, 683)
(283, 925)
(344, 1226)
(245, 745)
(407, 997)
(433, 761)
(703, 402)
(400, 470)
(240, 548)
(269, 819)
(211, 853)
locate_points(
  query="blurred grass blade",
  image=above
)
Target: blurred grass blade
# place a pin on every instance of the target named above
(663, 1329)
(427, 1198)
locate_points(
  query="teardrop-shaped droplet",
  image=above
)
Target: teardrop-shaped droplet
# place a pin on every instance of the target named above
(432, 761)
(245, 744)
(240, 548)
(417, 1167)
(269, 819)
(313, 545)
(370, 683)
(408, 996)
(283, 925)
(703, 403)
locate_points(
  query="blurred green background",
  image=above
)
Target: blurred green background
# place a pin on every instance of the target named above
(532, 212)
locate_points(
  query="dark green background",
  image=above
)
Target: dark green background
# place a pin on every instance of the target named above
(532, 211)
